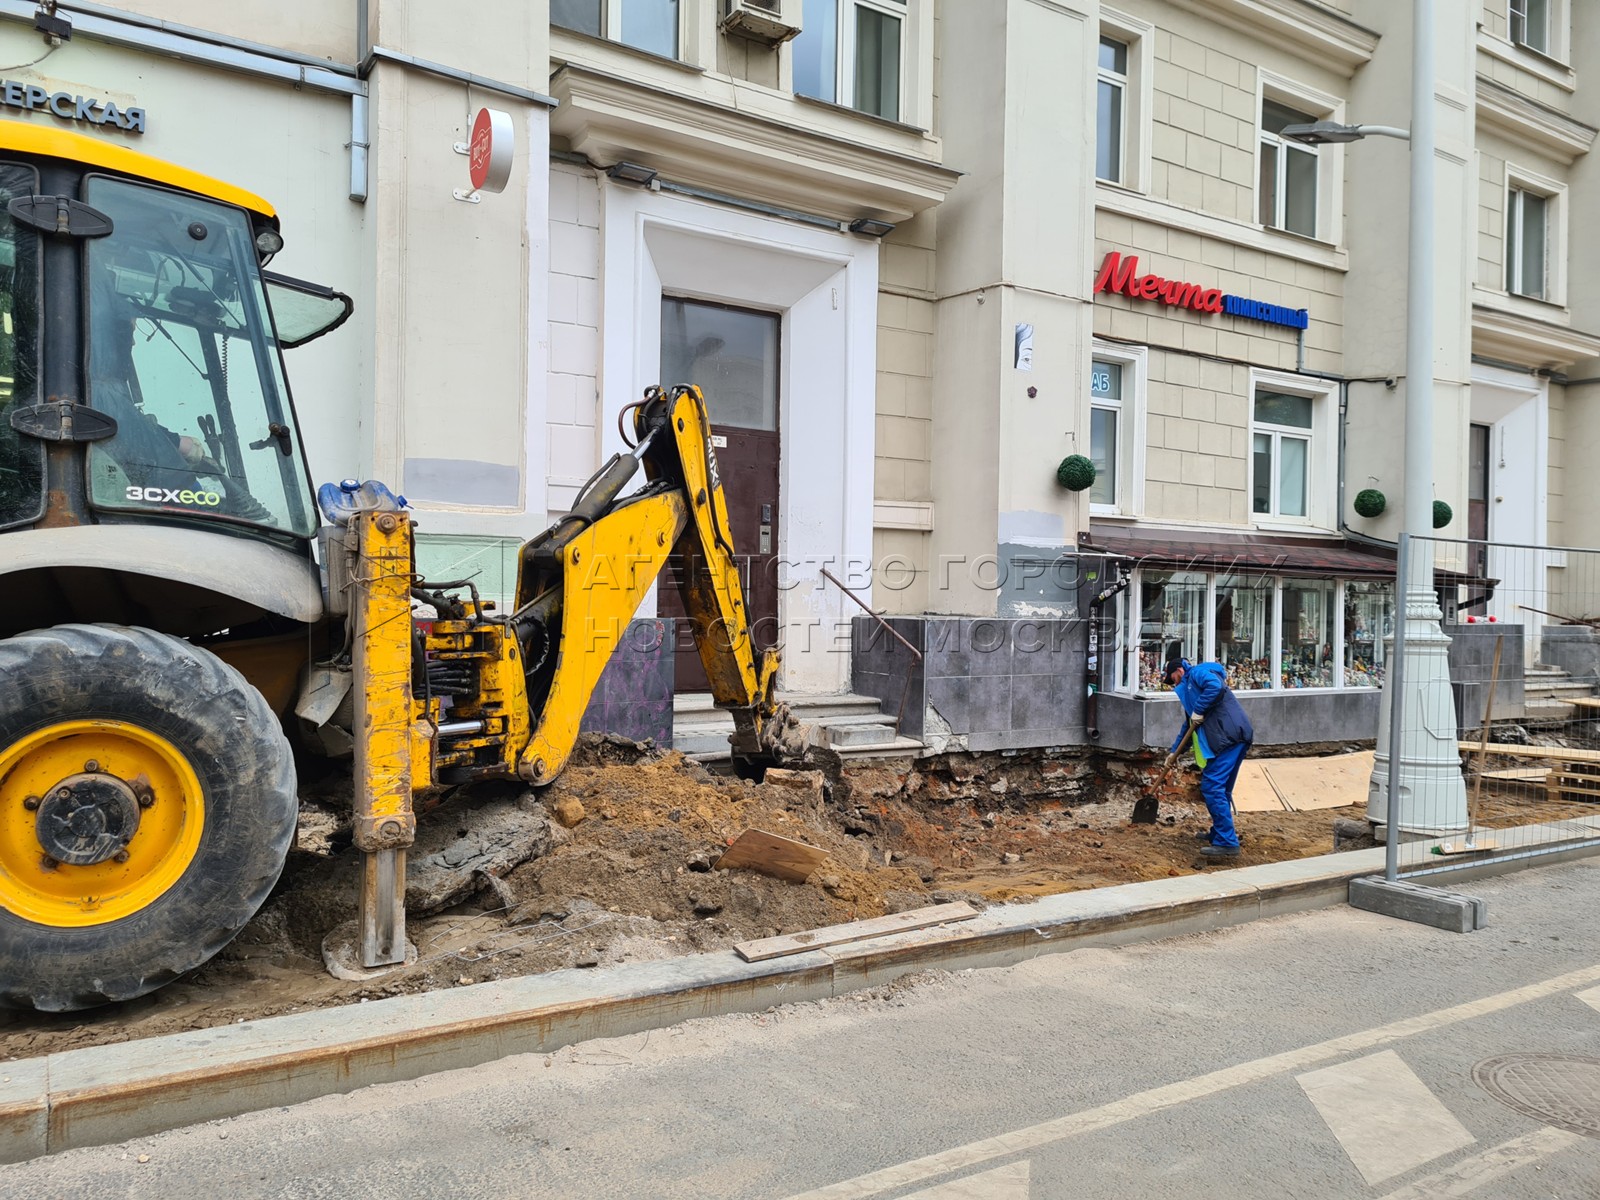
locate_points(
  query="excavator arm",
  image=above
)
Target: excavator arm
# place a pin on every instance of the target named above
(469, 694)
(580, 583)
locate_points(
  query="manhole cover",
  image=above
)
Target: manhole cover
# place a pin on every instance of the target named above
(1559, 1089)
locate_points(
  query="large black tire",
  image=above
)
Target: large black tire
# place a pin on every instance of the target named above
(224, 729)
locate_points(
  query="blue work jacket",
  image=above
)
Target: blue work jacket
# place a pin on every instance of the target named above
(1205, 690)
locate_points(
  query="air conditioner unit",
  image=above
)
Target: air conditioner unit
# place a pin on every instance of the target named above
(771, 21)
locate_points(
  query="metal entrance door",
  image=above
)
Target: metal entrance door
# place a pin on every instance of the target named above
(732, 354)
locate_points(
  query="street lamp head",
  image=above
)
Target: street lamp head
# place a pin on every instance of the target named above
(1322, 133)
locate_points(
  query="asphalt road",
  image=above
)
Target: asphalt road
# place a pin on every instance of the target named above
(1325, 1055)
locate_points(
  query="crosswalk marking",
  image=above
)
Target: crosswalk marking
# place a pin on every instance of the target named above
(1591, 998)
(1467, 1175)
(1003, 1183)
(1170, 1095)
(1383, 1115)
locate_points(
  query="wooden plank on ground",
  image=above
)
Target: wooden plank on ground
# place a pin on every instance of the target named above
(853, 931)
(1553, 753)
(1518, 775)
(769, 854)
(1332, 781)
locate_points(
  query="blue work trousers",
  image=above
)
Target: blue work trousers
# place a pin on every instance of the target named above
(1216, 789)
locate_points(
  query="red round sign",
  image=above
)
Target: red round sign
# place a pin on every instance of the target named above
(490, 149)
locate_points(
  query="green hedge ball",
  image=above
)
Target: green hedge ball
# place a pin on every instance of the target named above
(1370, 502)
(1442, 513)
(1075, 473)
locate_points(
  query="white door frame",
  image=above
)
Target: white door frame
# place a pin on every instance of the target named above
(825, 285)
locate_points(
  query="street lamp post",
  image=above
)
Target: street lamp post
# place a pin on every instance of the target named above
(1426, 766)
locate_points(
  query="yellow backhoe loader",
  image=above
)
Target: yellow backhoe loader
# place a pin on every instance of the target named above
(165, 622)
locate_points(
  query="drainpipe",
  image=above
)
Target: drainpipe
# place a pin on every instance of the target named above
(360, 111)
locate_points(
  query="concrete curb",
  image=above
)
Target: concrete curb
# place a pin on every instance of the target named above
(108, 1094)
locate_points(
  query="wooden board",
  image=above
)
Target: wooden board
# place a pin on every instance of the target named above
(1253, 790)
(1333, 781)
(853, 931)
(1586, 701)
(769, 854)
(1553, 753)
(1518, 775)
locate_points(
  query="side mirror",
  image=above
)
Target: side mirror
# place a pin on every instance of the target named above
(303, 312)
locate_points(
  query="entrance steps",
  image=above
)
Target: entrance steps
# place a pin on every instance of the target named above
(852, 726)
(1551, 694)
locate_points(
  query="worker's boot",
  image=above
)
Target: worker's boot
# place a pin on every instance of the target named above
(1216, 851)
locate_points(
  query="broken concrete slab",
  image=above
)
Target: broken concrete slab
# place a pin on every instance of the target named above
(457, 846)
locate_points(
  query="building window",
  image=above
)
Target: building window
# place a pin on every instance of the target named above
(1306, 649)
(1288, 186)
(1116, 429)
(1270, 633)
(1111, 114)
(1244, 627)
(650, 25)
(1527, 243)
(1105, 419)
(1368, 619)
(1172, 622)
(1280, 469)
(1530, 24)
(852, 52)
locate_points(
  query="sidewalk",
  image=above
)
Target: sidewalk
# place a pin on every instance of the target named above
(109, 1094)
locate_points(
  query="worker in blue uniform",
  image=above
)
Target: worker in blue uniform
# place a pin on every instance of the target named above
(1223, 734)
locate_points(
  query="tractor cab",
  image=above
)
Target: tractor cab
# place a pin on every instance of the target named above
(142, 384)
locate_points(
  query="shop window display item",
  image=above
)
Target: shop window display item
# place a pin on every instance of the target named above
(1368, 620)
(1243, 623)
(1172, 622)
(1306, 634)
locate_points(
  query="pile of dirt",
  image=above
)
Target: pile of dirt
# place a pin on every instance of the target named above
(616, 861)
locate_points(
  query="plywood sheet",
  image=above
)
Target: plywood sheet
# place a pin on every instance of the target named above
(1332, 781)
(769, 854)
(1253, 791)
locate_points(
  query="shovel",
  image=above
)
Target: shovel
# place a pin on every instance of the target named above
(1144, 808)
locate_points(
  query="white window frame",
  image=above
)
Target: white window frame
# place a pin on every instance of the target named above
(1558, 31)
(1107, 76)
(611, 18)
(1131, 423)
(1321, 463)
(1330, 158)
(1554, 193)
(1138, 96)
(916, 58)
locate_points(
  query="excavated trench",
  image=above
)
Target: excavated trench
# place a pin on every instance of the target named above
(615, 862)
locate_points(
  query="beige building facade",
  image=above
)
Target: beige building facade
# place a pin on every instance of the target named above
(1140, 268)
(921, 254)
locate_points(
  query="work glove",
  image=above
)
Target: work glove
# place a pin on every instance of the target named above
(1196, 720)
(1170, 762)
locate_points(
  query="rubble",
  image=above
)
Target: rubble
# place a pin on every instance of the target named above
(498, 885)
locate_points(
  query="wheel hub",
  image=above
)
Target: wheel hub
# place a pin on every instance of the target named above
(87, 819)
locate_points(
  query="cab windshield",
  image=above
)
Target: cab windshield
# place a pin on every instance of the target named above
(182, 356)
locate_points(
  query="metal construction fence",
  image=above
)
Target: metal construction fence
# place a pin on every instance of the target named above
(1489, 739)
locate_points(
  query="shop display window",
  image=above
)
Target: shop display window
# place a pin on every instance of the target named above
(1244, 630)
(1269, 632)
(1368, 620)
(1306, 633)
(1172, 622)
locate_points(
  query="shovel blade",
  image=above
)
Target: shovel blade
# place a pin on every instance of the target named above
(1144, 810)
